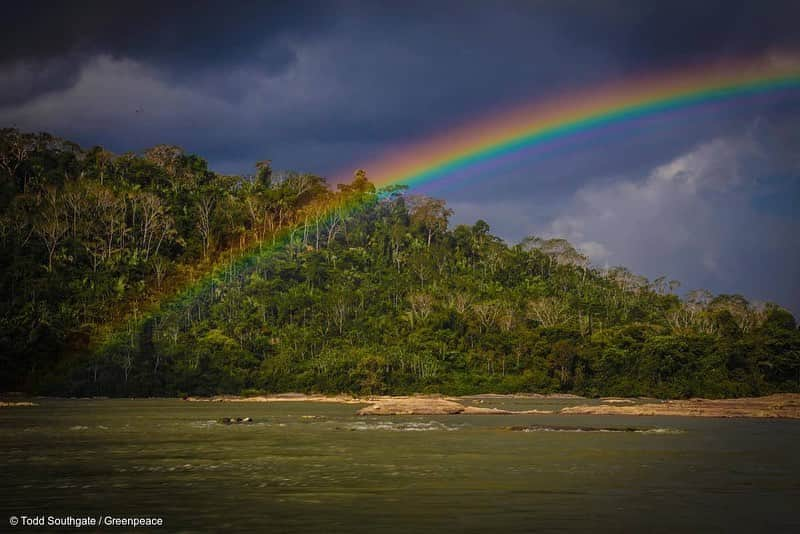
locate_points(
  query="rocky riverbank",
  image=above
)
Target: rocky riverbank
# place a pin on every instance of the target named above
(786, 405)
(279, 397)
(431, 405)
(394, 405)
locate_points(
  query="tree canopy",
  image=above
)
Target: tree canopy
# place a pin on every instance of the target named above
(368, 291)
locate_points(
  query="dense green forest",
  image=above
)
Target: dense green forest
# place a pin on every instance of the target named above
(148, 274)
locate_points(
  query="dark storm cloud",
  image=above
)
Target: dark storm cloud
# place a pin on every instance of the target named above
(23, 80)
(671, 32)
(375, 73)
(183, 38)
(171, 32)
(326, 86)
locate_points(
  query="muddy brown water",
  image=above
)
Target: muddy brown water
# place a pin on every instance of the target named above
(315, 467)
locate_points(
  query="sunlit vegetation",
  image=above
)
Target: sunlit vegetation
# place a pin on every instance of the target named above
(385, 298)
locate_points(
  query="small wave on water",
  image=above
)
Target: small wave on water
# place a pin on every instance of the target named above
(78, 428)
(203, 424)
(400, 426)
(211, 423)
(558, 428)
(662, 431)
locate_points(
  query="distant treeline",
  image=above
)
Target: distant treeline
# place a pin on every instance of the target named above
(369, 292)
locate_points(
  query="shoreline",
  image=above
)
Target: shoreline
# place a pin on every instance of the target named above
(779, 405)
(776, 406)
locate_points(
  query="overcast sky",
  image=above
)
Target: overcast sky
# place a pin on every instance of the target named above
(706, 196)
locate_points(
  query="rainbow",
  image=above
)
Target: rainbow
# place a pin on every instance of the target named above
(479, 143)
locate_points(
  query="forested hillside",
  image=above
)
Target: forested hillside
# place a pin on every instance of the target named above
(106, 290)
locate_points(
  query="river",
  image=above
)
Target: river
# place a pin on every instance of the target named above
(318, 467)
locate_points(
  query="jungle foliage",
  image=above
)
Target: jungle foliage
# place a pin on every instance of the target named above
(344, 290)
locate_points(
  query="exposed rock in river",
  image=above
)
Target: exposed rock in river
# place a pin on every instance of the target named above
(783, 405)
(522, 396)
(412, 406)
(430, 405)
(236, 420)
(278, 397)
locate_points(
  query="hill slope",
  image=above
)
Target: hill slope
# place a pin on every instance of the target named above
(368, 292)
